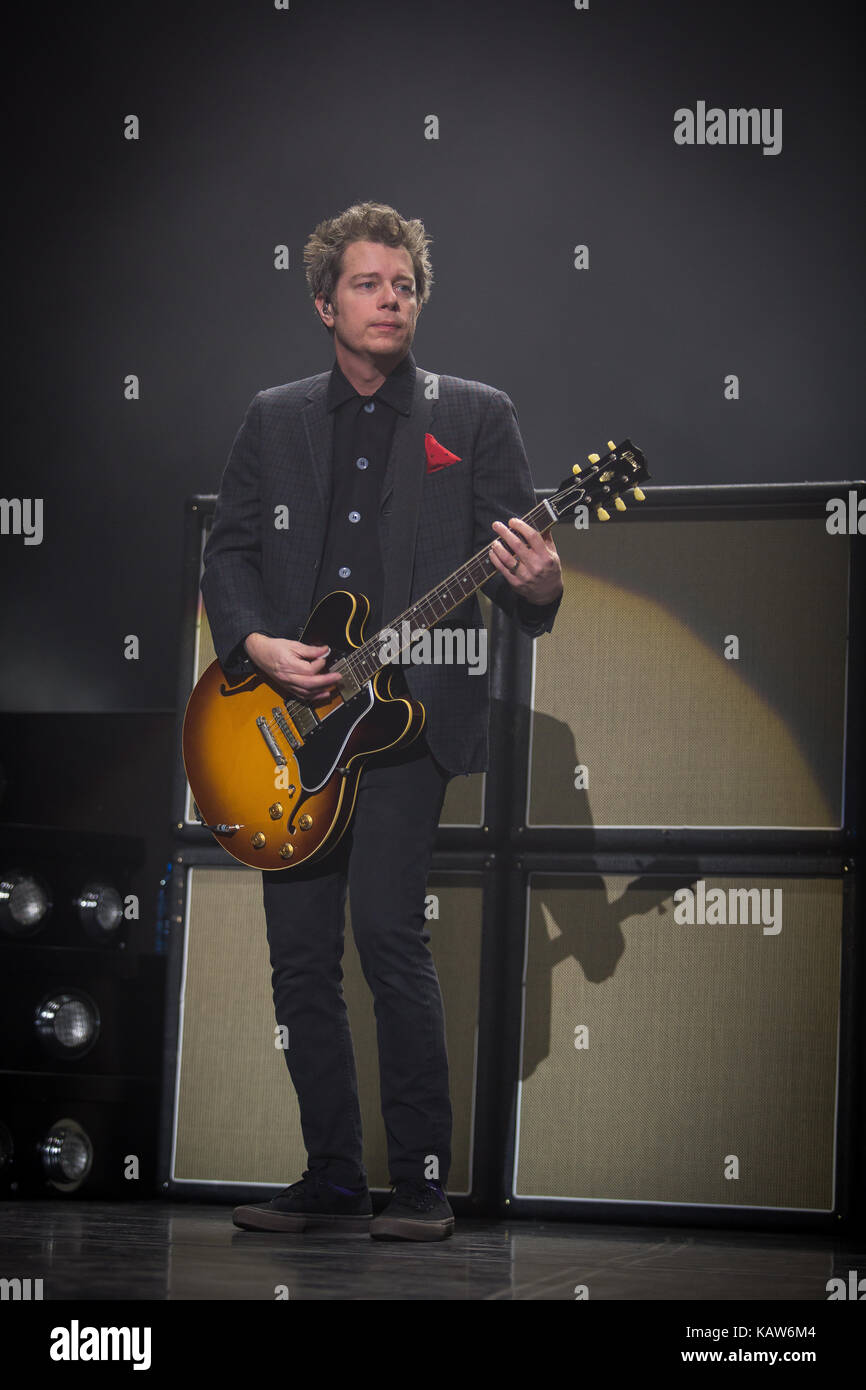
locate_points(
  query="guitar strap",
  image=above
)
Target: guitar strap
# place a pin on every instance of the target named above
(406, 466)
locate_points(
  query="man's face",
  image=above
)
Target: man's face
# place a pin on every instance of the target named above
(375, 305)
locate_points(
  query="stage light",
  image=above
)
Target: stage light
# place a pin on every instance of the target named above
(100, 909)
(66, 1155)
(68, 1023)
(25, 902)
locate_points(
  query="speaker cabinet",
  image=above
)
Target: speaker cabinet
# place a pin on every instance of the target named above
(231, 1120)
(679, 1038)
(697, 676)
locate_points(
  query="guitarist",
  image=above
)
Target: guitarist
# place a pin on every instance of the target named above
(339, 455)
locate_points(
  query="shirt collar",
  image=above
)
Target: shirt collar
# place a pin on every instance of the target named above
(396, 390)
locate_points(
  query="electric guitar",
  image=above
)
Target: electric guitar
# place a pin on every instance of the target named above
(275, 778)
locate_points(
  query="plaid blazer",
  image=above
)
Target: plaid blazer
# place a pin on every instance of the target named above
(259, 577)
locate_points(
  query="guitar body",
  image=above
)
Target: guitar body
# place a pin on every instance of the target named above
(275, 778)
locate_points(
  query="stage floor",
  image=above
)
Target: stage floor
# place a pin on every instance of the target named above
(162, 1250)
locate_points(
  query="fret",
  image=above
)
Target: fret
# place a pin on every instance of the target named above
(361, 665)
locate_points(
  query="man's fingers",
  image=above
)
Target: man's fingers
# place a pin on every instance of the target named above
(504, 552)
(515, 550)
(526, 542)
(302, 649)
(320, 681)
(520, 543)
(505, 567)
(528, 534)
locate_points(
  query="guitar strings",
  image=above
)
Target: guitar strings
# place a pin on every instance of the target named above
(354, 663)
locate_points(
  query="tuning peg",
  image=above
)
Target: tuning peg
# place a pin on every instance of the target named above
(638, 495)
(619, 504)
(610, 444)
(593, 458)
(576, 469)
(602, 514)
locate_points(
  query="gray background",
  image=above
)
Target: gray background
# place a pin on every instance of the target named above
(556, 128)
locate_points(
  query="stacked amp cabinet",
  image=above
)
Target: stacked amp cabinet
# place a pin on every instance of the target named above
(644, 917)
(685, 976)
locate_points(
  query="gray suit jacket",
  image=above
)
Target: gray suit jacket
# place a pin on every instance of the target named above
(260, 577)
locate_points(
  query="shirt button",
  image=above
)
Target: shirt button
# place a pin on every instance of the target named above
(370, 407)
(344, 571)
(361, 463)
(354, 516)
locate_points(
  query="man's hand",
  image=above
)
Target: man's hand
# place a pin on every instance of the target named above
(528, 560)
(293, 664)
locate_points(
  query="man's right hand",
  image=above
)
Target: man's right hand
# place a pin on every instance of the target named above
(295, 665)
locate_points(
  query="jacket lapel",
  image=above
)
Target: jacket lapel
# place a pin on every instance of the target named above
(401, 492)
(319, 426)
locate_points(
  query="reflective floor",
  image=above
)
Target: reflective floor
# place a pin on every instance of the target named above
(169, 1251)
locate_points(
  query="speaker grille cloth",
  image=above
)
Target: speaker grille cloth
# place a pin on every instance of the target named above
(704, 1042)
(634, 684)
(237, 1116)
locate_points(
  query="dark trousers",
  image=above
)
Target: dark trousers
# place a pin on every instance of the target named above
(383, 858)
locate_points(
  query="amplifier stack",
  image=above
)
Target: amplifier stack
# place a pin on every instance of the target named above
(643, 916)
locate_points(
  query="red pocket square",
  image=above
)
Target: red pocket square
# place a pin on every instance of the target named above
(437, 457)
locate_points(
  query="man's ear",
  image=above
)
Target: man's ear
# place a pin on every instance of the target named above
(325, 309)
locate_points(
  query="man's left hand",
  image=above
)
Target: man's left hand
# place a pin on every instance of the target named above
(528, 560)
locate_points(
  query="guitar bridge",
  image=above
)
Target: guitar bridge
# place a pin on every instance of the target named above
(285, 727)
(273, 746)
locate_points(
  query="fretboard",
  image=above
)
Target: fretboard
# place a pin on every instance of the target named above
(362, 664)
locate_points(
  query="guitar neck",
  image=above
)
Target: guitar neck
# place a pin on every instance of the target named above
(362, 664)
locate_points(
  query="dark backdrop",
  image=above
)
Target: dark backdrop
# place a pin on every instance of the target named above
(156, 257)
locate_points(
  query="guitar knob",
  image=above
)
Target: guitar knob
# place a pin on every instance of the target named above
(305, 822)
(275, 811)
(258, 841)
(602, 514)
(619, 504)
(638, 495)
(286, 851)
(593, 458)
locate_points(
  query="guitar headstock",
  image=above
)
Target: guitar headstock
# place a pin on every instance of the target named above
(622, 469)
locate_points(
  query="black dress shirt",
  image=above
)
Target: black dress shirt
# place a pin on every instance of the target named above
(363, 433)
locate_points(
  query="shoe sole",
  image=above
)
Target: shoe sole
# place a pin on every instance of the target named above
(253, 1219)
(403, 1228)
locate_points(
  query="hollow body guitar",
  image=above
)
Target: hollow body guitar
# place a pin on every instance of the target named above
(275, 778)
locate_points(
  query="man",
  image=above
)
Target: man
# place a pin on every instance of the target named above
(392, 477)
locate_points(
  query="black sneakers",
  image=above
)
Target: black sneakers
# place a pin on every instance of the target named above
(418, 1210)
(312, 1202)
